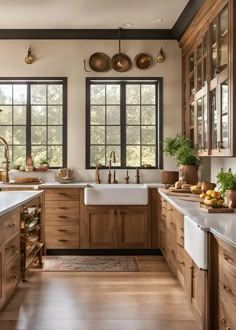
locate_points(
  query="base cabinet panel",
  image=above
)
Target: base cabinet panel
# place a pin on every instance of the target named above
(111, 227)
(132, 228)
(100, 228)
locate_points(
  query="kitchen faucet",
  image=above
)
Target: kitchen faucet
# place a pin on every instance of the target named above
(6, 154)
(112, 160)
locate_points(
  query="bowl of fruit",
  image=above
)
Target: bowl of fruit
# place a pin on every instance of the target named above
(212, 198)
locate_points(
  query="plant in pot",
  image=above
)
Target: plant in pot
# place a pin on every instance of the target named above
(181, 150)
(226, 183)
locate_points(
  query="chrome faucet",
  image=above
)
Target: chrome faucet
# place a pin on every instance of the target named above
(112, 160)
(6, 154)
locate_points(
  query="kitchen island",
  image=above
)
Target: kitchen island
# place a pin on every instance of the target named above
(12, 206)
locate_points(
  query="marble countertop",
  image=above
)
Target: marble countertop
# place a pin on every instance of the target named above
(9, 200)
(222, 225)
(64, 185)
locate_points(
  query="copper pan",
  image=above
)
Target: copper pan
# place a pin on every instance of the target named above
(99, 62)
(143, 61)
(121, 62)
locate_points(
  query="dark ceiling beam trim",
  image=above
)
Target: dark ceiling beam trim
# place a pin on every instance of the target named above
(88, 34)
(186, 18)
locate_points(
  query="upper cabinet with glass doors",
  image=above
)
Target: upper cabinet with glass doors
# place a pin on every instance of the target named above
(208, 79)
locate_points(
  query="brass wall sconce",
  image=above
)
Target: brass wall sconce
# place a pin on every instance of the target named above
(29, 57)
(161, 56)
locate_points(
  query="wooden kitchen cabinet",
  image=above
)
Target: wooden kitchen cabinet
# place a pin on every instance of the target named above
(208, 48)
(223, 285)
(100, 228)
(132, 228)
(111, 227)
(62, 217)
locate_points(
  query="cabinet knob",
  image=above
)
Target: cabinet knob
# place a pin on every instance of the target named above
(226, 288)
(227, 258)
(11, 225)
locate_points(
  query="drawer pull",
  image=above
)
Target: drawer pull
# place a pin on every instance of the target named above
(180, 245)
(227, 258)
(13, 267)
(62, 194)
(181, 262)
(10, 247)
(182, 237)
(62, 216)
(62, 208)
(62, 240)
(13, 277)
(226, 288)
(172, 223)
(62, 230)
(11, 225)
(182, 229)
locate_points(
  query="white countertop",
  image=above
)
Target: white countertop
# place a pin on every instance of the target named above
(222, 225)
(64, 185)
(9, 200)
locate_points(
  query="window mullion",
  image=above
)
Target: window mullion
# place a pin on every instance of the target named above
(123, 122)
(28, 122)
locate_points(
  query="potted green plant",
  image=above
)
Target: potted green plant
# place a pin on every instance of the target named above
(226, 183)
(180, 148)
(44, 163)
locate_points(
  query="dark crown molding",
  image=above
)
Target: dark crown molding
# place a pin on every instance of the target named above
(186, 18)
(109, 34)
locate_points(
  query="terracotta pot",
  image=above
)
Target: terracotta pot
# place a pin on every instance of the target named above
(190, 173)
(231, 198)
(169, 177)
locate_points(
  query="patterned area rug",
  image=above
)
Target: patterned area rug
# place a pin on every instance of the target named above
(91, 264)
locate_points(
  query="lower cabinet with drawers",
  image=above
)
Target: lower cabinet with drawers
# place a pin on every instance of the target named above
(62, 218)
(10, 271)
(192, 279)
(223, 286)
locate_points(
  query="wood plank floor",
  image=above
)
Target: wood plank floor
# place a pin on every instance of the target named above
(149, 300)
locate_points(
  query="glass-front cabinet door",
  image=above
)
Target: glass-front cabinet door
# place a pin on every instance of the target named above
(219, 85)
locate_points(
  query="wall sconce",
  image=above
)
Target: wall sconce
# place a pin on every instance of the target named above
(29, 57)
(161, 56)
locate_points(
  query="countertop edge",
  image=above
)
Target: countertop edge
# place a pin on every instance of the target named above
(210, 229)
(23, 201)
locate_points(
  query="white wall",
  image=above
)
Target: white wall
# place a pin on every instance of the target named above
(64, 58)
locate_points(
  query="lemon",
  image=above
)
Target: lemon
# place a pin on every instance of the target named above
(209, 192)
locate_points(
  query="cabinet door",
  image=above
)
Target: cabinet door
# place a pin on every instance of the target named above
(198, 290)
(133, 228)
(188, 275)
(100, 228)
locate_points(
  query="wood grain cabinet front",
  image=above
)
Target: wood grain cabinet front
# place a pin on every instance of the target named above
(62, 218)
(223, 288)
(111, 227)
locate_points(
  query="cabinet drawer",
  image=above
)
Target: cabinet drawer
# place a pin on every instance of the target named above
(11, 247)
(62, 237)
(227, 258)
(227, 283)
(10, 224)
(63, 215)
(227, 318)
(61, 194)
(12, 275)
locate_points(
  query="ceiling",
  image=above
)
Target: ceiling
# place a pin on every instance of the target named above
(89, 14)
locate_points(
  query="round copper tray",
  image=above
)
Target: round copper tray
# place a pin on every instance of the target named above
(143, 61)
(99, 62)
(121, 62)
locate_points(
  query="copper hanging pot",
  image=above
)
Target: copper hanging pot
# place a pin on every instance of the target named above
(99, 62)
(120, 62)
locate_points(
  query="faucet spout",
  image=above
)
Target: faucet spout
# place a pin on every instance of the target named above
(6, 155)
(112, 160)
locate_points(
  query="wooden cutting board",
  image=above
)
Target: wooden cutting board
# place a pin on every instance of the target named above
(209, 209)
(183, 191)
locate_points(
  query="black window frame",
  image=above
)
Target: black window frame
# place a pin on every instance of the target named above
(42, 80)
(159, 117)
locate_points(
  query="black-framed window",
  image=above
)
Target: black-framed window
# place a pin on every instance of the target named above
(125, 116)
(33, 120)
